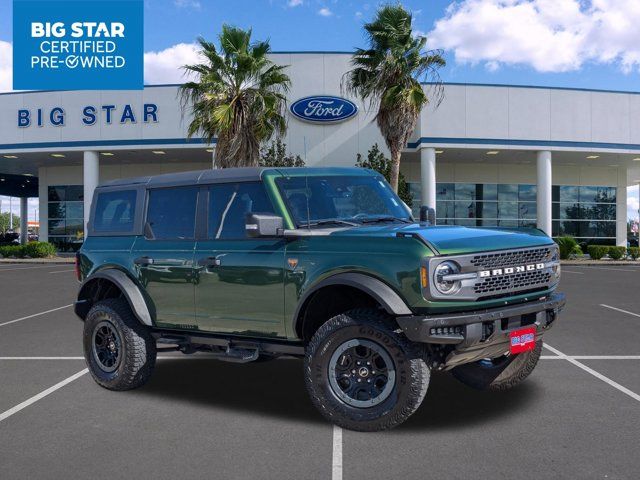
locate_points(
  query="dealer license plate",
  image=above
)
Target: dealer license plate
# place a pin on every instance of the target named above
(522, 340)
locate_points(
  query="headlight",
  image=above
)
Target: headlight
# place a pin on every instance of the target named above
(446, 287)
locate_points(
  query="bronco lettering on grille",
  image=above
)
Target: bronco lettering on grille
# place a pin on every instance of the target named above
(497, 272)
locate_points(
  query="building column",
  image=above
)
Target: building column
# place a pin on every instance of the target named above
(91, 171)
(544, 191)
(428, 177)
(621, 208)
(24, 220)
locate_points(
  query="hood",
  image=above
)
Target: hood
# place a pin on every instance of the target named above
(453, 240)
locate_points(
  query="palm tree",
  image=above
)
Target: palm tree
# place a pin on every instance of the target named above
(238, 96)
(388, 76)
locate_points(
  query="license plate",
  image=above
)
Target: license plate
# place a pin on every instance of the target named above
(522, 340)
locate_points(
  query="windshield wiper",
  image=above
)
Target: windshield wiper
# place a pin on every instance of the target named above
(386, 218)
(328, 221)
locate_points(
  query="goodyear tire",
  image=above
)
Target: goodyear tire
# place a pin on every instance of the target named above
(119, 351)
(499, 374)
(363, 375)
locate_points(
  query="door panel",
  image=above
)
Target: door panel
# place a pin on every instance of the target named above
(244, 292)
(240, 284)
(165, 269)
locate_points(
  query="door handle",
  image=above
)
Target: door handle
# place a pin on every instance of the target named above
(143, 261)
(209, 262)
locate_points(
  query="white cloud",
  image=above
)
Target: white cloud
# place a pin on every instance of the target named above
(192, 4)
(325, 12)
(166, 65)
(294, 3)
(548, 35)
(6, 66)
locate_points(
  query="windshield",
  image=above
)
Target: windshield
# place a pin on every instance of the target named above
(343, 200)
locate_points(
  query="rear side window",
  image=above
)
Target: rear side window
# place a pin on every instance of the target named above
(229, 204)
(115, 211)
(172, 213)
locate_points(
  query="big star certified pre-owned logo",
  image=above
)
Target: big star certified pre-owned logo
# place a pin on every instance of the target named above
(77, 45)
(497, 272)
(323, 109)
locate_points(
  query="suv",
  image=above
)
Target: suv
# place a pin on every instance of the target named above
(326, 264)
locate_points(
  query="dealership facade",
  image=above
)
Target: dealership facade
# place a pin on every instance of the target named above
(487, 155)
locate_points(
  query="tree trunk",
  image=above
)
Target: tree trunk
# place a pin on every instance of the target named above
(395, 168)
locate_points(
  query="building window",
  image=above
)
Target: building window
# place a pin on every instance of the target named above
(585, 212)
(66, 216)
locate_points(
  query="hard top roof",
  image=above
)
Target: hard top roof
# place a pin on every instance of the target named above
(224, 175)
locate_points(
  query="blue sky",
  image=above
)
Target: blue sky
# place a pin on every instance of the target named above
(569, 43)
(474, 32)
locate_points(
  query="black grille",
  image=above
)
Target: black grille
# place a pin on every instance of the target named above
(511, 258)
(510, 283)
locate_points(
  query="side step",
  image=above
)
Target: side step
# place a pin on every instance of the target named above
(230, 348)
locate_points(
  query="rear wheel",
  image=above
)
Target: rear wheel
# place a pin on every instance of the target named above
(500, 373)
(362, 374)
(119, 351)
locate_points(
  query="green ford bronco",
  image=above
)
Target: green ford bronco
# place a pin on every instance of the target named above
(326, 264)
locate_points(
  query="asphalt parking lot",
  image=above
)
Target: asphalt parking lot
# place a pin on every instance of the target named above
(577, 416)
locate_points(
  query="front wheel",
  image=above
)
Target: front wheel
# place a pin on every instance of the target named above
(362, 375)
(119, 351)
(500, 373)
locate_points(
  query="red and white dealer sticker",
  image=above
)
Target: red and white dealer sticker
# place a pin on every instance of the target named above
(522, 340)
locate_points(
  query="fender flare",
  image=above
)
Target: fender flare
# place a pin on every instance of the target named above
(127, 286)
(380, 291)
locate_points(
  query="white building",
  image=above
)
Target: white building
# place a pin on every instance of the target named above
(488, 155)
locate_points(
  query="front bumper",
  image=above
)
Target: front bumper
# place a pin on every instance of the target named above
(481, 334)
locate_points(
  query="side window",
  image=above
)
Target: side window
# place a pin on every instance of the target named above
(171, 213)
(115, 211)
(228, 205)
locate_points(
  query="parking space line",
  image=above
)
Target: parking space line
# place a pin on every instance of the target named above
(592, 357)
(25, 268)
(619, 310)
(564, 270)
(34, 315)
(598, 375)
(63, 271)
(41, 395)
(632, 269)
(41, 358)
(336, 470)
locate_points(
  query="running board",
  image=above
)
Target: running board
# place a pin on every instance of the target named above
(237, 348)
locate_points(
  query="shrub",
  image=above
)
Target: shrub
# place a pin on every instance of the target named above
(32, 249)
(376, 160)
(11, 251)
(596, 252)
(634, 252)
(39, 249)
(616, 253)
(568, 246)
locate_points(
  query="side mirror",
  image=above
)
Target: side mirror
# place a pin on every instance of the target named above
(263, 225)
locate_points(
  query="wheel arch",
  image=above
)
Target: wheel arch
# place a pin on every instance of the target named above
(111, 283)
(364, 289)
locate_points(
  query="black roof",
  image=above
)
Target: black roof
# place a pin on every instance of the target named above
(223, 175)
(191, 178)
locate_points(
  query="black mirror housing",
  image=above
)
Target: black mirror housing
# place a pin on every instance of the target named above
(263, 225)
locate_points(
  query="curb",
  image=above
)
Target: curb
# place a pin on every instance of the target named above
(600, 263)
(37, 261)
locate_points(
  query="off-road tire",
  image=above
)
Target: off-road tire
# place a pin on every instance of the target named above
(501, 377)
(411, 372)
(138, 355)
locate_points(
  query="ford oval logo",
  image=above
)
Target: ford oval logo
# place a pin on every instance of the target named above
(323, 109)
